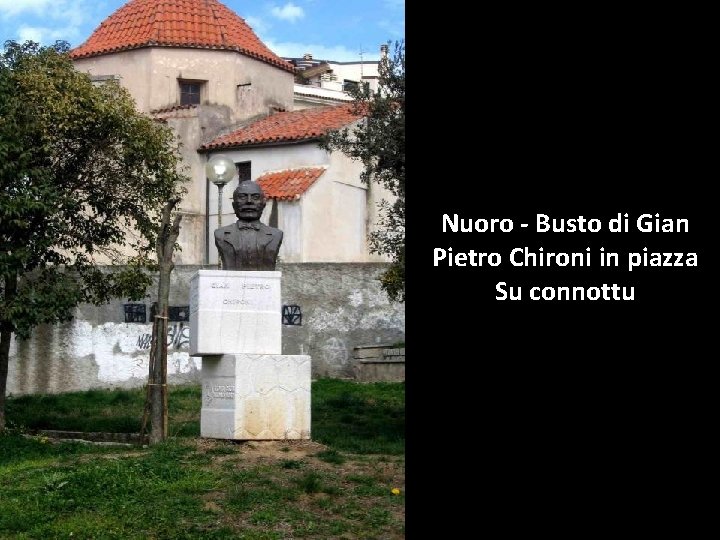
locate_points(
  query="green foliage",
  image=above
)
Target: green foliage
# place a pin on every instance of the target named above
(347, 416)
(379, 143)
(88, 492)
(310, 482)
(186, 488)
(291, 464)
(331, 456)
(116, 411)
(82, 175)
(15, 449)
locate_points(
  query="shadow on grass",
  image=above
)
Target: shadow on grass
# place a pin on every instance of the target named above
(362, 418)
(95, 410)
(348, 416)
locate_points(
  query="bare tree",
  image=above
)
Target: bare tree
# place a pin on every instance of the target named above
(156, 404)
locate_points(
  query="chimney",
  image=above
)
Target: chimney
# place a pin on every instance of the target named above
(384, 50)
(307, 56)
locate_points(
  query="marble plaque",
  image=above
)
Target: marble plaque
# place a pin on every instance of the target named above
(255, 397)
(235, 312)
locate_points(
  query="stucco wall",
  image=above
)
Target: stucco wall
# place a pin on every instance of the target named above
(334, 214)
(342, 307)
(263, 159)
(356, 71)
(245, 85)
(237, 88)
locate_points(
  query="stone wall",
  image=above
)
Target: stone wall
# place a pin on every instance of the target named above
(342, 307)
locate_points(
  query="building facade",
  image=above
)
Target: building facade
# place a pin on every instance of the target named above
(197, 66)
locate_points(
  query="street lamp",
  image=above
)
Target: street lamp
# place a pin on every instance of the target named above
(220, 170)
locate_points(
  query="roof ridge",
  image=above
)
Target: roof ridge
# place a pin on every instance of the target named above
(223, 34)
(290, 169)
(153, 27)
(291, 126)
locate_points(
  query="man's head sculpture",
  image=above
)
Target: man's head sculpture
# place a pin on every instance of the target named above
(248, 244)
(248, 201)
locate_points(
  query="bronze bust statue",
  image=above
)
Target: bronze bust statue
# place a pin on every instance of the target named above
(248, 244)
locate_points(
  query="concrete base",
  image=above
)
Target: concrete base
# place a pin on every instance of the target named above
(379, 364)
(255, 397)
(380, 371)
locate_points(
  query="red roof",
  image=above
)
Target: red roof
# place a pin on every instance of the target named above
(300, 125)
(177, 23)
(290, 184)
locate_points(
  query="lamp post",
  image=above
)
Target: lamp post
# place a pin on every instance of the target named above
(220, 170)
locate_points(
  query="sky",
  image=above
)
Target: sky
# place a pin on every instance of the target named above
(329, 29)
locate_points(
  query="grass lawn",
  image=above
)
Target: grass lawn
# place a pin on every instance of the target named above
(339, 485)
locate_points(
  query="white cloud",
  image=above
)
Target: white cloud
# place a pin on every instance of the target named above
(395, 29)
(31, 33)
(258, 25)
(72, 12)
(289, 12)
(46, 21)
(8, 8)
(338, 53)
(41, 34)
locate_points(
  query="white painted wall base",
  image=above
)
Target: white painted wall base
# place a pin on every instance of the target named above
(256, 397)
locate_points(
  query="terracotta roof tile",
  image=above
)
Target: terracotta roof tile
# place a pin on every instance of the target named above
(177, 23)
(289, 184)
(172, 108)
(306, 124)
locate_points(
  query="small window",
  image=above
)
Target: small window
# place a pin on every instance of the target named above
(243, 170)
(243, 91)
(273, 219)
(349, 85)
(190, 92)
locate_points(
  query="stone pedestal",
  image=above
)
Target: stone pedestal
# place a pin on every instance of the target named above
(250, 390)
(255, 396)
(235, 312)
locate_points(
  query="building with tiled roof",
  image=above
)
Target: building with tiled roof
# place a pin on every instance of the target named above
(316, 196)
(292, 126)
(289, 184)
(323, 82)
(199, 68)
(177, 23)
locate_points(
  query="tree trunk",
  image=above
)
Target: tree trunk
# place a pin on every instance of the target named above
(157, 377)
(5, 338)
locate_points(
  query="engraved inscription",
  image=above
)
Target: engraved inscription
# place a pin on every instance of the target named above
(235, 301)
(220, 285)
(217, 391)
(222, 391)
(255, 285)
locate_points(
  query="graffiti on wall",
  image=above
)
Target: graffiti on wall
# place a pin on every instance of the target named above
(178, 337)
(335, 352)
